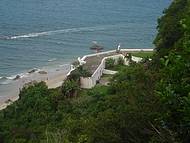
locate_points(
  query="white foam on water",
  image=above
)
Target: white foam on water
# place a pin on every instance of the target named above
(71, 30)
(52, 60)
(64, 65)
(3, 78)
(11, 77)
(34, 70)
(23, 75)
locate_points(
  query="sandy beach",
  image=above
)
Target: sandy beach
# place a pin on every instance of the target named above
(53, 79)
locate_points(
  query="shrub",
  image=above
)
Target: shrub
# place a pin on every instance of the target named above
(120, 61)
(129, 56)
(79, 72)
(110, 63)
(84, 72)
(69, 88)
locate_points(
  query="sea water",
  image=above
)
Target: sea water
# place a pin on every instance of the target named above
(48, 33)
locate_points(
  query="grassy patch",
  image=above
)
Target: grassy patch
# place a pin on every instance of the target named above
(142, 54)
(106, 76)
(100, 88)
(118, 67)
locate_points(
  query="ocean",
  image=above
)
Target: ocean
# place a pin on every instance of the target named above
(49, 33)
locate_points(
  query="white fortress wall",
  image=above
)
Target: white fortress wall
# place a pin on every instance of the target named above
(86, 82)
(89, 82)
(110, 72)
(72, 68)
(124, 50)
(137, 50)
(136, 59)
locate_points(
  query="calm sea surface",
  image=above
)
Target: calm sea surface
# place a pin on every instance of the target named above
(44, 33)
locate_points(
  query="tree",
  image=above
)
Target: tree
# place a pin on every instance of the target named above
(110, 62)
(169, 27)
(69, 88)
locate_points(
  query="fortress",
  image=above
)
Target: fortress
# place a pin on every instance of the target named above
(95, 64)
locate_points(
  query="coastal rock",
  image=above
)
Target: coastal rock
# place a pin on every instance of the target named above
(32, 71)
(17, 77)
(8, 101)
(42, 72)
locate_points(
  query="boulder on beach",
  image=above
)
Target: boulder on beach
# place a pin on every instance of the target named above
(17, 77)
(42, 72)
(8, 101)
(32, 71)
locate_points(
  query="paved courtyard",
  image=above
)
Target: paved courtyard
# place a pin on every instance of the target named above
(93, 62)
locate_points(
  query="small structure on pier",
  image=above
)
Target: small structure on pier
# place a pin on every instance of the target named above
(96, 47)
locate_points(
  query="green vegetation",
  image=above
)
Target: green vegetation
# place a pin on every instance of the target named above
(113, 64)
(118, 67)
(110, 63)
(142, 54)
(79, 72)
(107, 76)
(148, 102)
(120, 61)
(70, 88)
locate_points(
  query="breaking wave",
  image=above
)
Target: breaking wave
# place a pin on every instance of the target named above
(20, 75)
(52, 60)
(72, 30)
(13, 77)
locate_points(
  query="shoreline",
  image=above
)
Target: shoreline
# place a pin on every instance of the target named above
(53, 79)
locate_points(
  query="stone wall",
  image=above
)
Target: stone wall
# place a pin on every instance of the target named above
(90, 82)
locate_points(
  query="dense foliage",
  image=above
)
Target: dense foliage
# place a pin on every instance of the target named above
(147, 102)
(110, 62)
(170, 30)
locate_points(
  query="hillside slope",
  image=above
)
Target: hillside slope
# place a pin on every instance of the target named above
(147, 102)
